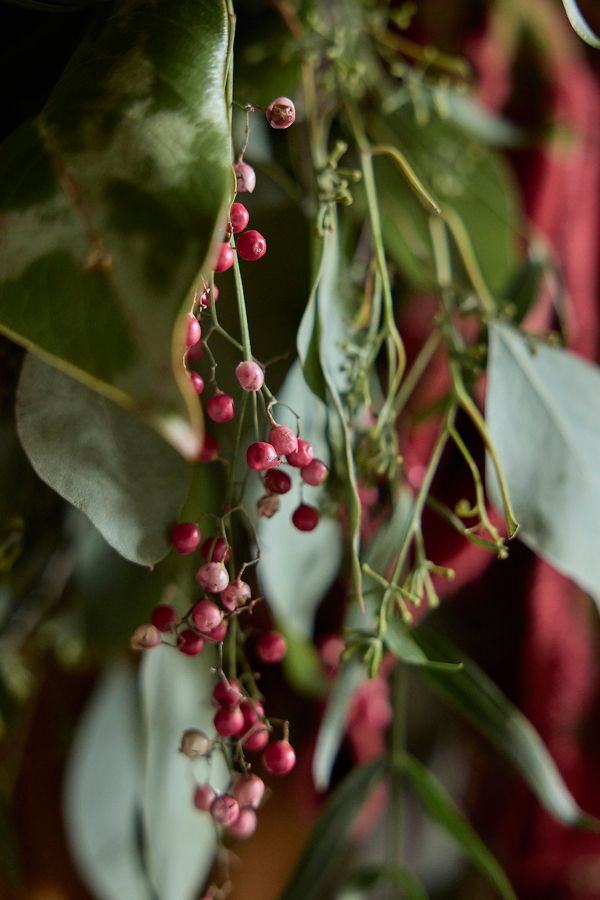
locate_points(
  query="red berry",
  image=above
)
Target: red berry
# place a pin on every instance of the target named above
(271, 647)
(229, 721)
(244, 826)
(195, 353)
(164, 616)
(251, 245)
(213, 577)
(190, 643)
(250, 376)
(249, 790)
(205, 297)
(204, 797)
(197, 381)
(225, 810)
(206, 615)
(245, 178)
(261, 456)
(277, 482)
(216, 549)
(315, 473)
(218, 634)
(305, 517)
(224, 259)
(220, 407)
(239, 217)
(193, 331)
(301, 457)
(235, 594)
(279, 758)
(258, 740)
(145, 637)
(210, 449)
(227, 693)
(252, 711)
(185, 537)
(281, 113)
(283, 439)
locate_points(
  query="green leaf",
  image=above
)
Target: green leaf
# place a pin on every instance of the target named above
(54, 5)
(111, 202)
(181, 842)
(394, 875)
(580, 25)
(320, 857)
(478, 699)
(549, 445)
(101, 798)
(400, 641)
(301, 664)
(442, 809)
(118, 471)
(333, 725)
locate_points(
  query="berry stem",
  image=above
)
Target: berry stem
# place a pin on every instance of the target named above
(244, 329)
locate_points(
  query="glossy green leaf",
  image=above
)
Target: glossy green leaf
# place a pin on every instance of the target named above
(102, 791)
(400, 641)
(108, 464)
(333, 725)
(180, 841)
(111, 201)
(396, 876)
(443, 810)
(478, 699)
(543, 416)
(580, 25)
(321, 855)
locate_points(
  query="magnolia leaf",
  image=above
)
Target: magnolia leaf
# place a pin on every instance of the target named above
(180, 841)
(333, 725)
(321, 855)
(111, 202)
(543, 416)
(478, 699)
(110, 465)
(442, 809)
(102, 791)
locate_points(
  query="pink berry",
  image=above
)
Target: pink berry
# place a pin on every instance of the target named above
(301, 457)
(239, 217)
(195, 743)
(145, 637)
(252, 711)
(279, 758)
(249, 790)
(185, 537)
(277, 482)
(204, 797)
(190, 643)
(195, 353)
(227, 693)
(229, 721)
(164, 616)
(193, 332)
(258, 740)
(245, 177)
(305, 517)
(225, 810)
(220, 407)
(205, 297)
(218, 634)
(251, 245)
(213, 577)
(271, 647)
(315, 473)
(210, 449)
(224, 259)
(235, 594)
(261, 456)
(283, 439)
(216, 549)
(281, 113)
(206, 615)
(244, 826)
(250, 376)
(197, 382)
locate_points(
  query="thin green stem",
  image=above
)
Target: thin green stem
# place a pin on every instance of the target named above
(396, 755)
(241, 302)
(417, 370)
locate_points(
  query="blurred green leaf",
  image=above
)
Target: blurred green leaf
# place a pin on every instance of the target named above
(478, 699)
(111, 202)
(396, 876)
(301, 664)
(580, 25)
(54, 5)
(118, 471)
(400, 641)
(321, 855)
(442, 809)
(333, 724)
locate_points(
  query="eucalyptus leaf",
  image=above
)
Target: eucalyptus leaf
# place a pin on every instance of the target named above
(580, 25)
(112, 200)
(102, 791)
(180, 841)
(110, 465)
(317, 865)
(333, 725)
(443, 810)
(400, 641)
(544, 420)
(478, 699)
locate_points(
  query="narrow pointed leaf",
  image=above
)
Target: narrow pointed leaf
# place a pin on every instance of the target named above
(394, 875)
(333, 726)
(399, 640)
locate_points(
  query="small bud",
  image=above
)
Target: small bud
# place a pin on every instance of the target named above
(195, 743)
(267, 506)
(145, 637)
